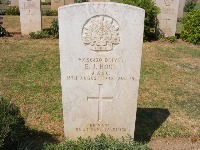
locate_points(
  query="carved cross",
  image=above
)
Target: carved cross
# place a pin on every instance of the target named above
(100, 99)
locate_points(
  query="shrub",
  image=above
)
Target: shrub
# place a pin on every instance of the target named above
(53, 31)
(46, 3)
(12, 125)
(190, 31)
(3, 32)
(39, 34)
(99, 143)
(2, 11)
(12, 10)
(189, 5)
(151, 12)
(49, 12)
(170, 39)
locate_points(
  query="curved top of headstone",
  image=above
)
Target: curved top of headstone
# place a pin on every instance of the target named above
(100, 20)
(101, 3)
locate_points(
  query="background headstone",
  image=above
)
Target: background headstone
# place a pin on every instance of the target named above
(14, 3)
(30, 16)
(167, 18)
(181, 8)
(100, 57)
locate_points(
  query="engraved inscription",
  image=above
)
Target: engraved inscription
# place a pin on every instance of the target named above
(29, 5)
(100, 99)
(168, 11)
(103, 127)
(101, 33)
(100, 69)
(168, 2)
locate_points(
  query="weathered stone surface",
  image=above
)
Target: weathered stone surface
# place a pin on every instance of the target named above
(14, 3)
(168, 16)
(100, 57)
(181, 8)
(30, 16)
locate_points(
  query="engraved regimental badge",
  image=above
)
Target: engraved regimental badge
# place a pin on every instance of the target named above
(168, 2)
(101, 34)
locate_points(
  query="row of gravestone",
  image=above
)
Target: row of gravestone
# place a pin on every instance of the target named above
(55, 4)
(30, 15)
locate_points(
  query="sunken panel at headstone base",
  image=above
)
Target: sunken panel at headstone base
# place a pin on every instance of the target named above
(100, 57)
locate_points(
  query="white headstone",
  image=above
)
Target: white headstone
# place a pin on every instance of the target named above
(181, 8)
(30, 16)
(168, 16)
(100, 57)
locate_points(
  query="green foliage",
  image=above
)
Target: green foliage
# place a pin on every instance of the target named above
(197, 5)
(98, 143)
(3, 2)
(191, 27)
(170, 39)
(49, 12)
(3, 7)
(39, 34)
(46, 3)
(2, 11)
(12, 125)
(53, 31)
(189, 5)
(12, 10)
(3, 32)
(151, 12)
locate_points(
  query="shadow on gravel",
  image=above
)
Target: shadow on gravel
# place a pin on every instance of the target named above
(147, 121)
